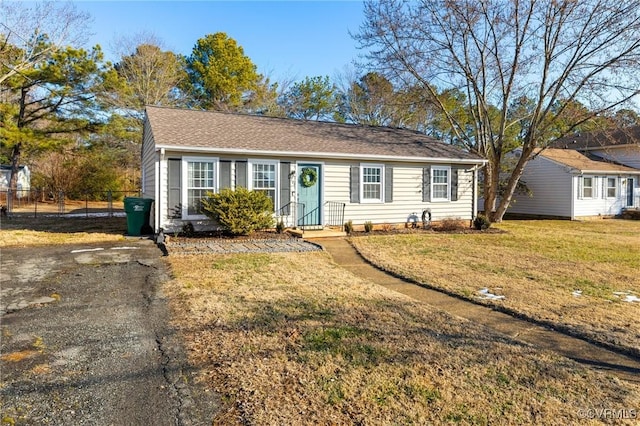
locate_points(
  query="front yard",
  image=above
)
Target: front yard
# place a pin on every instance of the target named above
(294, 339)
(578, 276)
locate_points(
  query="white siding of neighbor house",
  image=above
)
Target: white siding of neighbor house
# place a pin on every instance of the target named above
(556, 192)
(407, 192)
(627, 155)
(600, 204)
(551, 187)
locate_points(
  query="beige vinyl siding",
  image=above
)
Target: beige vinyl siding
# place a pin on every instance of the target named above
(551, 187)
(407, 195)
(407, 192)
(148, 163)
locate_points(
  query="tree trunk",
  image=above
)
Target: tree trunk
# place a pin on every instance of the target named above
(491, 180)
(514, 177)
(15, 166)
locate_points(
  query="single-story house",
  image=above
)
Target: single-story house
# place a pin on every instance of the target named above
(566, 183)
(23, 180)
(620, 145)
(316, 173)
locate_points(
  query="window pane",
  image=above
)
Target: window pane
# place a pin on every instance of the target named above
(372, 183)
(440, 191)
(611, 187)
(371, 175)
(193, 201)
(440, 176)
(440, 184)
(199, 182)
(264, 179)
(587, 187)
(371, 191)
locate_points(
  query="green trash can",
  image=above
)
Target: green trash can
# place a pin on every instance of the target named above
(138, 210)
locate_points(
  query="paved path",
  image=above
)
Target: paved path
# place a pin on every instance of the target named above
(579, 350)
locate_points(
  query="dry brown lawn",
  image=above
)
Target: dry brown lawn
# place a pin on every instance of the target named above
(294, 339)
(575, 275)
(29, 231)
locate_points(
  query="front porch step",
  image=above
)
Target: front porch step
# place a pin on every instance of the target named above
(310, 234)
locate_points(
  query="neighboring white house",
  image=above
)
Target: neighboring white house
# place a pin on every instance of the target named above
(566, 183)
(309, 169)
(23, 180)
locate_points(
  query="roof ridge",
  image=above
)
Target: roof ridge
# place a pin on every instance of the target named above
(297, 120)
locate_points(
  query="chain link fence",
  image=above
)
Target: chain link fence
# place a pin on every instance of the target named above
(38, 202)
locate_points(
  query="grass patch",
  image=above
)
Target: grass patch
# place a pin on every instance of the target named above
(29, 231)
(538, 265)
(291, 338)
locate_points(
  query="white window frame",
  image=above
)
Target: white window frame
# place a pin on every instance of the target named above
(276, 189)
(185, 183)
(592, 186)
(364, 200)
(614, 187)
(433, 184)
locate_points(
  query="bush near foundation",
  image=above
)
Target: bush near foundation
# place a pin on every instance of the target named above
(239, 211)
(481, 222)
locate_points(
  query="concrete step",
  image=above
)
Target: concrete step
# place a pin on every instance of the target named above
(312, 234)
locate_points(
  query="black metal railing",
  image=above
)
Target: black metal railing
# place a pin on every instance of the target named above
(308, 218)
(292, 209)
(334, 214)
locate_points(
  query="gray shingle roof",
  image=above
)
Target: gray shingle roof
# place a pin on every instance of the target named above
(191, 129)
(595, 140)
(583, 163)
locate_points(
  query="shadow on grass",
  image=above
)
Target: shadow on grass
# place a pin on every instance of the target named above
(65, 224)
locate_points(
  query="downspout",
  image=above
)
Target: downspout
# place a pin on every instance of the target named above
(474, 191)
(575, 183)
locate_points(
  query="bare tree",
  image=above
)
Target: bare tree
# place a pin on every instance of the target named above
(498, 53)
(31, 32)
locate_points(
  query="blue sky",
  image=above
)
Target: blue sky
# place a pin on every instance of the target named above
(285, 39)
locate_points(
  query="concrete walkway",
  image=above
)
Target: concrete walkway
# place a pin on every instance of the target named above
(579, 350)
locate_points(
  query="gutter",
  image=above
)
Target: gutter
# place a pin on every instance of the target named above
(326, 155)
(605, 172)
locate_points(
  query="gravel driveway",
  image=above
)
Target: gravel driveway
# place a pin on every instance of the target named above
(86, 340)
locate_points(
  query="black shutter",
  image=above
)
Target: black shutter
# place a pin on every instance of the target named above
(285, 187)
(174, 176)
(426, 184)
(454, 184)
(388, 184)
(225, 174)
(241, 174)
(355, 184)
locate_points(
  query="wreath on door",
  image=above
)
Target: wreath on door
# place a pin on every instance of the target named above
(308, 177)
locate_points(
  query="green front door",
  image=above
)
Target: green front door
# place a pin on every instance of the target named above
(309, 194)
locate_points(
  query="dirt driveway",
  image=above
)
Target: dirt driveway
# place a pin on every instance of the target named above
(86, 340)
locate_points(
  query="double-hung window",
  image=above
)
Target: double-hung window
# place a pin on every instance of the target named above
(264, 178)
(612, 187)
(587, 187)
(440, 183)
(199, 175)
(371, 183)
